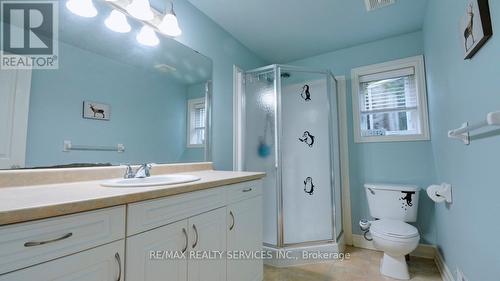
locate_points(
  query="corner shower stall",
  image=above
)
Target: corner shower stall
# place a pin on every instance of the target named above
(290, 131)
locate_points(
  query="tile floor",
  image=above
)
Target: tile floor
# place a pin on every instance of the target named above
(363, 265)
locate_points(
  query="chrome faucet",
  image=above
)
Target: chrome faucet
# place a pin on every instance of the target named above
(143, 171)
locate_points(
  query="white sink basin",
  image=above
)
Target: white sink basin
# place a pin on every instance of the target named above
(150, 181)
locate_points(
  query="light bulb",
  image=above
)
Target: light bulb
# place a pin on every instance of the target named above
(170, 26)
(147, 37)
(83, 8)
(140, 9)
(117, 22)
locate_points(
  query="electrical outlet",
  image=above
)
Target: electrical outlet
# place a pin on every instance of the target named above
(460, 275)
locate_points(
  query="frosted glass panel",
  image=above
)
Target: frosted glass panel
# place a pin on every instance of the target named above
(337, 183)
(259, 143)
(306, 165)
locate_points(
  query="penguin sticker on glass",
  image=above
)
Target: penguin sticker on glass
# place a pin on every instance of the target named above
(305, 94)
(309, 186)
(307, 138)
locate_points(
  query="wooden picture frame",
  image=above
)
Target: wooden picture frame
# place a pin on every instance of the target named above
(476, 27)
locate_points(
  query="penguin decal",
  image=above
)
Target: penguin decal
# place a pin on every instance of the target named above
(407, 200)
(309, 186)
(307, 138)
(305, 94)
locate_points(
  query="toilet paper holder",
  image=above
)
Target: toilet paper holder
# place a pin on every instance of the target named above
(440, 193)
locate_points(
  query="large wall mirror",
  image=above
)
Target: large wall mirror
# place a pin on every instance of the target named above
(111, 101)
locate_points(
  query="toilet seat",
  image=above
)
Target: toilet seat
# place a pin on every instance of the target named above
(393, 229)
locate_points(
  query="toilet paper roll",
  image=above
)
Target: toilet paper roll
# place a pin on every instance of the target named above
(432, 192)
(440, 193)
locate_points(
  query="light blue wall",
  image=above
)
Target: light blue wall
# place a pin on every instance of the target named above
(395, 162)
(205, 36)
(148, 112)
(459, 91)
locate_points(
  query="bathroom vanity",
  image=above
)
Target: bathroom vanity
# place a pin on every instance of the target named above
(85, 231)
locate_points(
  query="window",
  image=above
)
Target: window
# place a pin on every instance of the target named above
(390, 101)
(196, 123)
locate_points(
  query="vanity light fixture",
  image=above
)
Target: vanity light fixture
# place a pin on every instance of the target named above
(83, 8)
(140, 9)
(117, 21)
(169, 25)
(147, 36)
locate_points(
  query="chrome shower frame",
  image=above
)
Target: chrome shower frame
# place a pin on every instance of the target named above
(335, 172)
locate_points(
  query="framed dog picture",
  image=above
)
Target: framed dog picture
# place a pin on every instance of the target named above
(476, 26)
(94, 110)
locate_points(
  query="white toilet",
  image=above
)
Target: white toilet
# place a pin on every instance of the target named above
(393, 206)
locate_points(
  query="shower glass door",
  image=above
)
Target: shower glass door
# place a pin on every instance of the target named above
(305, 150)
(291, 134)
(259, 142)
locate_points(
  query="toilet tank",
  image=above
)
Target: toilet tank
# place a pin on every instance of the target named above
(389, 201)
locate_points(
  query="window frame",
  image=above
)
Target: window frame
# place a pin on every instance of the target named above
(417, 62)
(190, 106)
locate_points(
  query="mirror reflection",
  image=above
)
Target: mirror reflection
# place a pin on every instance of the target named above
(123, 92)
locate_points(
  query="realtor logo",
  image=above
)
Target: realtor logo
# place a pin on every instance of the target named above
(29, 33)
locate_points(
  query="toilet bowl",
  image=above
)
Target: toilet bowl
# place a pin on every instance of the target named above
(393, 206)
(396, 239)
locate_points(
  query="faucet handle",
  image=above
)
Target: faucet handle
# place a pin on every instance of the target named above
(144, 170)
(129, 172)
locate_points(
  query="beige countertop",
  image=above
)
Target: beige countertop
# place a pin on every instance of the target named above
(25, 203)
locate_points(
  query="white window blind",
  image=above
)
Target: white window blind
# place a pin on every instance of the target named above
(388, 103)
(197, 122)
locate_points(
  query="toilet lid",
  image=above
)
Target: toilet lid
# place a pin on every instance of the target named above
(393, 228)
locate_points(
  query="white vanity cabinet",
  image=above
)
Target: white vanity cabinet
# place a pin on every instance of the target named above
(86, 246)
(208, 224)
(245, 234)
(144, 241)
(104, 263)
(168, 252)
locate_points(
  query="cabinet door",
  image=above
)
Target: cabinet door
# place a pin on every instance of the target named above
(104, 263)
(146, 254)
(207, 236)
(245, 234)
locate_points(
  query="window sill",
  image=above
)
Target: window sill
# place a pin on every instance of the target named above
(408, 138)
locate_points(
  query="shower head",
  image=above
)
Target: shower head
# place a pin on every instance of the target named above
(285, 75)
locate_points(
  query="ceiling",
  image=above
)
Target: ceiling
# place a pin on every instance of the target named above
(281, 31)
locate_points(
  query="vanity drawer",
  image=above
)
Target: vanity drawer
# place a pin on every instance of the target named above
(242, 191)
(143, 216)
(26, 244)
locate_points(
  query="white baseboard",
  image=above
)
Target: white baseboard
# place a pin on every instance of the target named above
(423, 251)
(443, 268)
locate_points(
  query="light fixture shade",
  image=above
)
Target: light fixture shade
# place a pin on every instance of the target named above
(140, 9)
(83, 8)
(170, 26)
(117, 21)
(147, 37)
